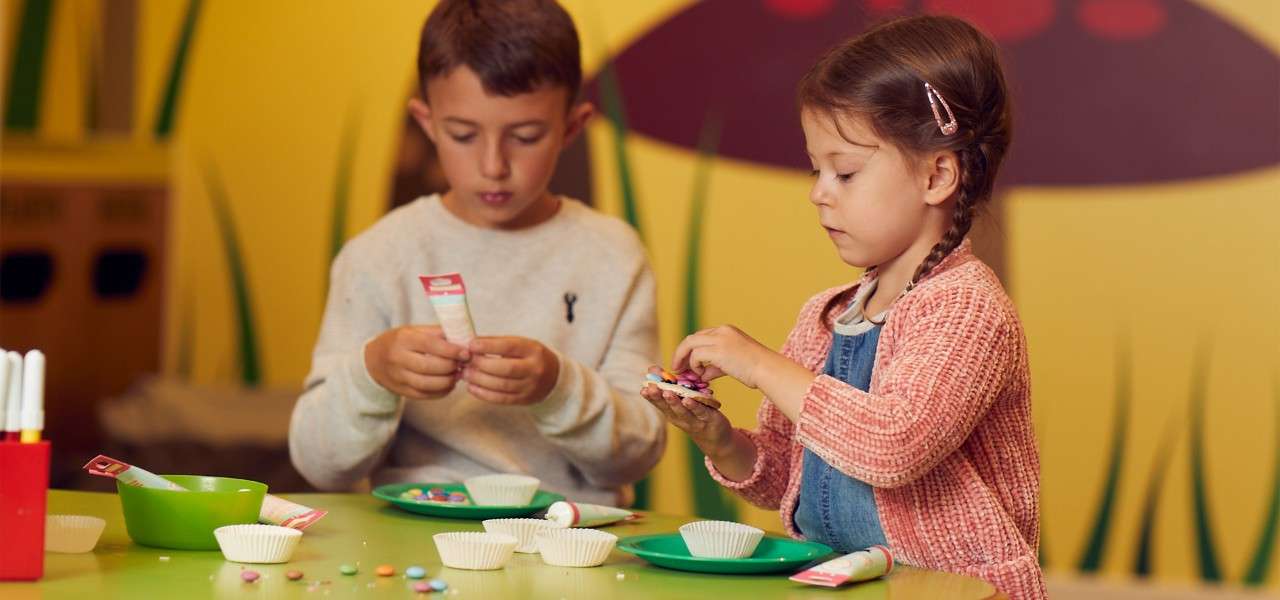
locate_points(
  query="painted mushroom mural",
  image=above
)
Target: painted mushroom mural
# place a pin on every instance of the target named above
(1135, 87)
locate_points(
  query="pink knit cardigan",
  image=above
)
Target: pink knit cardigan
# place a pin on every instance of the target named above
(944, 436)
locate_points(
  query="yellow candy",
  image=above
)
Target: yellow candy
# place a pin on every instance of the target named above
(415, 492)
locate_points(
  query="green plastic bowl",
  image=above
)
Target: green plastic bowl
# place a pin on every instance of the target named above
(186, 520)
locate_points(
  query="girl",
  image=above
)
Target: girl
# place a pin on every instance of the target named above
(898, 411)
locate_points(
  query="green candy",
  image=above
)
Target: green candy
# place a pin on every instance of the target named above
(348, 569)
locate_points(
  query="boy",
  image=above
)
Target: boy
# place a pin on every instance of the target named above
(563, 297)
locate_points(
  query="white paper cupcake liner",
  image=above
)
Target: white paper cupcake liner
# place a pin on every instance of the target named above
(72, 534)
(502, 489)
(575, 547)
(261, 544)
(720, 539)
(523, 530)
(474, 550)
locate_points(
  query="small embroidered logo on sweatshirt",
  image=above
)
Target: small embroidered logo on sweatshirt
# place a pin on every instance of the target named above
(569, 299)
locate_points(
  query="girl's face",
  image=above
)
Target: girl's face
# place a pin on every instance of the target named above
(870, 201)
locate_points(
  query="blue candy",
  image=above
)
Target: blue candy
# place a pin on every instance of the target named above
(439, 585)
(415, 572)
(652, 377)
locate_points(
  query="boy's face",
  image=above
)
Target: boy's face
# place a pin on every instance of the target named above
(498, 153)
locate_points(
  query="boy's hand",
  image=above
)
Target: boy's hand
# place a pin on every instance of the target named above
(719, 351)
(414, 361)
(708, 428)
(511, 370)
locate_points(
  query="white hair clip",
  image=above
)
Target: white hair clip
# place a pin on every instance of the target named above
(949, 127)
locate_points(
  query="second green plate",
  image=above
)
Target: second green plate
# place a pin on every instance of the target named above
(391, 493)
(773, 555)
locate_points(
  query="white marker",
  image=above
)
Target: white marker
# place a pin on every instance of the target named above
(4, 390)
(32, 397)
(13, 405)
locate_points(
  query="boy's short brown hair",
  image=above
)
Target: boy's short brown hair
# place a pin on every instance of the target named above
(514, 46)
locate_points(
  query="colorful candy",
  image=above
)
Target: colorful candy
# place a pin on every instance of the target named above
(348, 569)
(439, 585)
(435, 495)
(249, 576)
(415, 572)
(293, 575)
(385, 570)
(687, 380)
(687, 384)
(422, 587)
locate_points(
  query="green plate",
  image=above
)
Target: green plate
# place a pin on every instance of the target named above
(391, 493)
(773, 555)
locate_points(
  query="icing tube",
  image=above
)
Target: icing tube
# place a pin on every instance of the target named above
(859, 566)
(576, 514)
(448, 296)
(105, 466)
(278, 511)
(275, 510)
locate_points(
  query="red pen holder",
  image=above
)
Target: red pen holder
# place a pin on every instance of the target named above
(24, 486)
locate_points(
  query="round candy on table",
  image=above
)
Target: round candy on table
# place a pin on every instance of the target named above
(439, 585)
(415, 572)
(249, 576)
(422, 587)
(385, 570)
(293, 575)
(348, 569)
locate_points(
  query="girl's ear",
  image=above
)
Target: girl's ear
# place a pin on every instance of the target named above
(421, 112)
(943, 171)
(576, 121)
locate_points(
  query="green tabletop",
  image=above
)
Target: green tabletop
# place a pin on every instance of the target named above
(360, 529)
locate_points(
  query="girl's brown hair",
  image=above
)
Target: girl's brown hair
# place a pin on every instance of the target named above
(881, 75)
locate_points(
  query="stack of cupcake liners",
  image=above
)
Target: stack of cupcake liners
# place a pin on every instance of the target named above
(260, 544)
(474, 550)
(575, 547)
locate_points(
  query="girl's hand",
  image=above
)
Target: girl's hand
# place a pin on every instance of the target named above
(723, 350)
(708, 428)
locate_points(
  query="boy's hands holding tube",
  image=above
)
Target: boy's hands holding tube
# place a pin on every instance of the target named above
(510, 370)
(415, 361)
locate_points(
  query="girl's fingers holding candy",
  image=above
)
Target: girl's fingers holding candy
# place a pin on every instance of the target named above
(654, 396)
(680, 358)
(702, 362)
(700, 411)
(677, 406)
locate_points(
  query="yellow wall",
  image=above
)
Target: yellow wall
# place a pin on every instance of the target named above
(271, 85)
